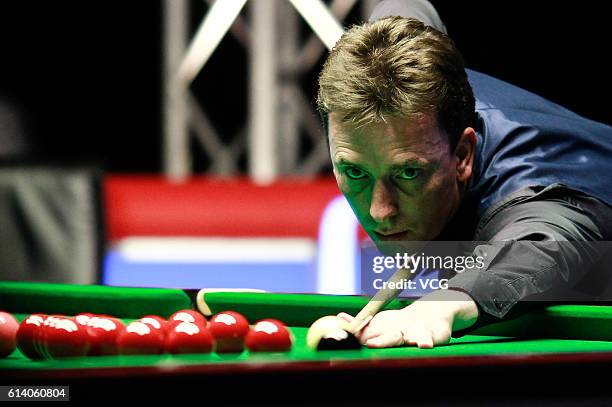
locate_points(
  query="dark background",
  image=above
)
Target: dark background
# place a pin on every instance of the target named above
(86, 76)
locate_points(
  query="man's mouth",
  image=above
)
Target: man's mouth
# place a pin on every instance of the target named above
(391, 235)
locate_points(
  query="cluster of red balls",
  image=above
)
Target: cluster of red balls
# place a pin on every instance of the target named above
(42, 336)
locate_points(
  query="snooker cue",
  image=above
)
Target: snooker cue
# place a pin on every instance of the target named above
(378, 302)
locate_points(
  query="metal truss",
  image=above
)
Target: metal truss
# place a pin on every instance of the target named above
(279, 112)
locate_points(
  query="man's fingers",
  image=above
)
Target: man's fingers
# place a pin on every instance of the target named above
(348, 319)
(425, 342)
(397, 328)
(343, 315)
(386, 340)
(365, 333)
(441, 334)
(368, 333)
(421, 338)
(372, 330)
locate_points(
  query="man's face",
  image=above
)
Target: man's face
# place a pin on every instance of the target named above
(400, 177)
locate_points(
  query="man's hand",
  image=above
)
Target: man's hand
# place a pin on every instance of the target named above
(425, 323)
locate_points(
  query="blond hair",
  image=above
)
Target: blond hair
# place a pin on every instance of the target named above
(396, 67)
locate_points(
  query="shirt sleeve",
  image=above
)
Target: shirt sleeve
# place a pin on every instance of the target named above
(533, 250)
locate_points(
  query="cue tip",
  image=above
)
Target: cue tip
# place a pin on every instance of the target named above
(203, 306)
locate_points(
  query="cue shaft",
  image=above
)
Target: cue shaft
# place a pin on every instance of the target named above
(379, 301)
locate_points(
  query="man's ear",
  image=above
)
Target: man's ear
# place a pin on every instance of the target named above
(465, 152)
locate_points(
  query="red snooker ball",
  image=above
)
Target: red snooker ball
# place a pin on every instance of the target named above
(229, 329)
(186, 337)
(269, 335)
(39, 334)
(64, 337)
(103, 333)
(155, 321)
(29, 331)
(139, 338)
(8, 334)
(83, 318)
(188, 315)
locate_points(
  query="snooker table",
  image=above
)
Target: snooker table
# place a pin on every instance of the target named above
(560, 353)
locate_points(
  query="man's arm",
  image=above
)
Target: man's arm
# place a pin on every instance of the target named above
(525, 260)
(538, 249)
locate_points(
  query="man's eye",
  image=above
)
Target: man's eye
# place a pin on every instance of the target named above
(409, 173)
(355, 173)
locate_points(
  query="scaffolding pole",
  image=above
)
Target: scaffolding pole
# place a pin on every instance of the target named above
(176, 158)
(262, 138)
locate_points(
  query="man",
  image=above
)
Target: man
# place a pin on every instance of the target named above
(424, 149)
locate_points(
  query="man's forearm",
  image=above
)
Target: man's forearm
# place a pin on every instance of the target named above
(537, 249)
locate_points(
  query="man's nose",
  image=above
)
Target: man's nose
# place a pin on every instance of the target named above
(384, 205)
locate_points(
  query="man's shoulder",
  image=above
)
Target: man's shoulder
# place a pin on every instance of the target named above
(496, 94)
